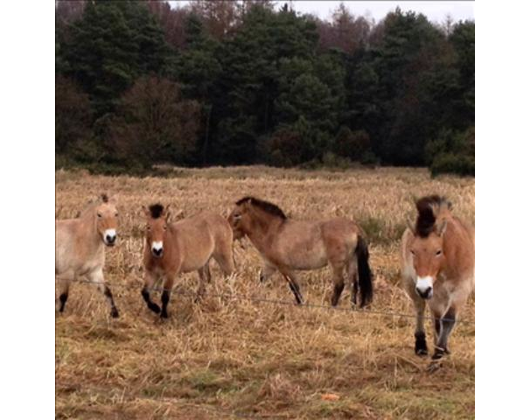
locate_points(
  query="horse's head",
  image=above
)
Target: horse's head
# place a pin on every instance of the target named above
(427, 245)
(250, 212)
(107, 220)
(157, 224)
(239, 219)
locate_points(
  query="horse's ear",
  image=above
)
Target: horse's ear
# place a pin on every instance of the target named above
(245, 205)
(145, 211)
(410, 225)
(166, 213)
(441, 227)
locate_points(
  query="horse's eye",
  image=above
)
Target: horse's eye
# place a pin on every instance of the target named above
(148, 227)
(99, 214)
(116, 215)
(412, 252)
(439, 252)
(165, 227)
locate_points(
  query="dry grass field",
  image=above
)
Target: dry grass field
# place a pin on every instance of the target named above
(230, 358)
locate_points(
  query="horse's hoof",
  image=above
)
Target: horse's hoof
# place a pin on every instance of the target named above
(164, 315)
(439, 353)
(422, 352)
(114, 313)
(434, 366)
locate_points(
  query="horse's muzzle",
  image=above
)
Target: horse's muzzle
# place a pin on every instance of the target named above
(110, 240)
(157, 252)
(424, 293)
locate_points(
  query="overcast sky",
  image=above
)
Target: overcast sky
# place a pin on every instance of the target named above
(436, 11)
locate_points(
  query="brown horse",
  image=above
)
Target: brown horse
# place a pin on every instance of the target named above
(289, 245)
(438, 267)
(181, 247)
(80, 248)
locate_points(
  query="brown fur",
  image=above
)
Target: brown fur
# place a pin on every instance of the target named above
(441, 248)
(80, 247)
(188, 245)
(289, 245)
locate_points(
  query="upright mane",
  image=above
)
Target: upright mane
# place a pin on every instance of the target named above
(156, 210)
(430, 208)
(267, 207)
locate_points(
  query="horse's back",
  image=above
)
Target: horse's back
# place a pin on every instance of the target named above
(199, 236)
(207, 221)
(340, 231)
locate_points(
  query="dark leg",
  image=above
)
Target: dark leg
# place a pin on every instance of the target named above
(168, 286)
(150, 304)
(165, 301)
(97, 277)
(338, 281)
(113, 310)
(149, 281)
(446, 325)
(295, 288)
(421, 344)
(62, 300)
(337, 291)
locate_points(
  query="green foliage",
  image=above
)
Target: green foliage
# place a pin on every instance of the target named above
(250, 84)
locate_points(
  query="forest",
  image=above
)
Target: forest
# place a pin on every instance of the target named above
(141, 83)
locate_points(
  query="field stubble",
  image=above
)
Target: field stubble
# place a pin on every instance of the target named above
(229, 358)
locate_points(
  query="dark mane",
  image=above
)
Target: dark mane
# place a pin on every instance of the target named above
(428, 208)
(156, 210)
(263, 205)
(104, 198)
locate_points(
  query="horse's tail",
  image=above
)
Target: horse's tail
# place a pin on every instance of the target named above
(365, 274)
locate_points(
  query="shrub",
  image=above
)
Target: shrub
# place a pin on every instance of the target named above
(452, 163)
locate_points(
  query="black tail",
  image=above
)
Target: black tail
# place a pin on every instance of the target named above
(365, 274)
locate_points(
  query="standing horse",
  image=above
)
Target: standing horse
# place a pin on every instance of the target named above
(80, 248)
(289, 245)
(438, 267)
(181, 247)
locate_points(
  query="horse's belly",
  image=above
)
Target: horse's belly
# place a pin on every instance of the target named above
(195, 262)
(308, 259)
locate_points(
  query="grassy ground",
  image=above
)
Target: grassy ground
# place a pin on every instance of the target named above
(230, 358)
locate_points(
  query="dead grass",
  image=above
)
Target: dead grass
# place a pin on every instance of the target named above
(229, 359)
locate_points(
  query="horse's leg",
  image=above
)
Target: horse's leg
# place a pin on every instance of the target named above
(446, 325)
(97, 277)
(266, 272)
(64, 287)
(204, 276)
(354, 276)
(420, 346)
(149, 281)
(223, 255)
(338, 281)
(166, 294)
(293, 285)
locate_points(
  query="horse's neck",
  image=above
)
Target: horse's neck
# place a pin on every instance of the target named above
(88, 229)
(264, 228)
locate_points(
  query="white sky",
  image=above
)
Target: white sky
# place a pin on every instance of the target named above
(436, 11)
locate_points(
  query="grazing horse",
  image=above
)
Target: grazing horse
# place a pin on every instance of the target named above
(289, 245)
(438, 268)
(80, 248)
(181, 247)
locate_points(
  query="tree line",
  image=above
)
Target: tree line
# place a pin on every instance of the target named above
(239, 82)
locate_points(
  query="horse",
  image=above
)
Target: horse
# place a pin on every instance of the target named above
(80, 248)
(288, 245)
(181, 247)
(438, 268)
